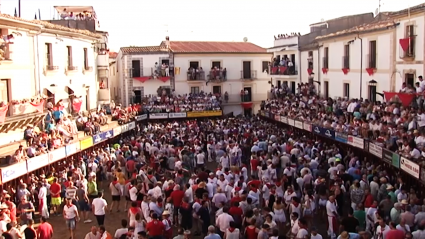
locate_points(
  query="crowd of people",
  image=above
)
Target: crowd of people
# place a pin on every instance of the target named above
(282, 66)
(389, 124)
(285, 36)
(85, 15)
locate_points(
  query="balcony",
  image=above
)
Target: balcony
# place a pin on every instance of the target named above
(5, 52)
(237, 99)
(407, 48)
(104, 95)
(103, 61)
(87, 69)
(371, 61)
(196, 76)
(248, 75)
(217, 76)
(283, 70)
(325, 62)
(89, 25)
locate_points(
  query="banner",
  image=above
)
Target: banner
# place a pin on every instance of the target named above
(291, 122)
(38, 106)
(341, 137)
(76, 104)
(117, 131)
(97, 138)
(13, 171)
(327, 133)
(3, 112)
(177, 115)
(390, 157)
(158, 115)
(404, 98)
(37, 162)
(108, 134)
(356, 142)
(375, 150)
(124, 128)
(298, 124)
(317, 129)
(307, 127)
(283, 119)
(71, 149)
(141, 117)
(204, 114)
(409, 167)
(131, 125)
(57, 154)
(86, 143)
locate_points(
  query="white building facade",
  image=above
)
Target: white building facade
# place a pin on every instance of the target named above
(358, 62)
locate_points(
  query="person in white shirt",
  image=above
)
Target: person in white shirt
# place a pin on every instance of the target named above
(223, 221)
(70, 213)
(93, 234)
(200, 160)
(302, 231)
(314, 234)
(99, 207)
(382, 229)
(331, 211)
(42, 198)
(121, 231)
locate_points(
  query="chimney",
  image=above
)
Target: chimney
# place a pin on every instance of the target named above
(167, 42)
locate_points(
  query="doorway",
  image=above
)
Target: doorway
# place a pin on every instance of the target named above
(410, 79)
(165, 61)
(247, 112)
(279, 84)
(247, 94)
(216, 64)
(217, 89)
(194, 64)
(326, 93)
(246, 70)
(293, 87)
(372, 93)
(137, 97)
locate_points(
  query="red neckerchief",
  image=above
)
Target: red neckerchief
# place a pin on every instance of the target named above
(296, 204)
(231, 229)
(289, 192)
(254, 190)
(273, 191)
(114, 182)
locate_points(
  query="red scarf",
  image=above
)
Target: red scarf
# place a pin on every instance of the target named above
(134, 210)
(231, 229)
(296, 204)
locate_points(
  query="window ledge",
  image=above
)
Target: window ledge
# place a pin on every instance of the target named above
(50, 70)
(87, 70)
(6, 61)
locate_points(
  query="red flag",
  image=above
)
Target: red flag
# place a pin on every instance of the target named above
(404, 43)
(3, 112)
(38, 106)
(404, 98)
(76, 105)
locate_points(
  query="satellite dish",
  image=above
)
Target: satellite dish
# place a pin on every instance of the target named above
(245, 39)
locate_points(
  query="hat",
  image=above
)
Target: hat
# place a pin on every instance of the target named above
(390, 187)
(166, 213)
(404, 202)
(344, 235)
(7, 196)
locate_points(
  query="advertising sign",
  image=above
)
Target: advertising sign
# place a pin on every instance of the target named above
(13, 171)
(317, 129)
(341, 137)
(307, 126)
(71, 149)
(327, 133)
(283, 119)
(390, 157)
(117, 131)
(204, 113)
(86, 143)
(355, 141)
(158, 115)
(57, 155)
(375, 150)
(124, 128)
(291, 122)
(131, 125)
(108, 134)
(177, 115)
(298, 124)
(97, 138)
(141, 117)
(37, 162)
(409, 167)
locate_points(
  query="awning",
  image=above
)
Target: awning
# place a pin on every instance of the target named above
(142, 79)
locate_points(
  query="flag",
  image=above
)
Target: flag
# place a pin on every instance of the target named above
(38, 106)
(3, 112)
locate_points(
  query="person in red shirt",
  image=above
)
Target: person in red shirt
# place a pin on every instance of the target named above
(254, 164)
(177, 198)
(368, 200)
(394, 233)
(155, 228)
(236, 213)
(55, 192)
(44, 230)
(11, 207)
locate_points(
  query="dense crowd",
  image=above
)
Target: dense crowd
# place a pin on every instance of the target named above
(398, 128)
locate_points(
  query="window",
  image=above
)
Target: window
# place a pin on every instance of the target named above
(86, 59)
(4, 90)
(347, 90)
(310, 60)
(69, 51)
(326, 57)
(216, 64)
(372, 54)
(410, 35)
(409, 79)
(49, 55)
(346, 57)
(135, 65)
(165, 61)
(194, 64)
(216, 89)
(265, 66)
(194, 90)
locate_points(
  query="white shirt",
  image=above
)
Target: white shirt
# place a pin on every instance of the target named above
(120, 232)
(302, 233)
(133, 194)
(223, 221)
(200, 158)
(330, 209)
(189, 194)
(99, 205)
(69, 211)
(317, 236)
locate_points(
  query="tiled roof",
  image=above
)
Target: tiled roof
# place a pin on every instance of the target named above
(214, 47)
(413, 9)
(113, 54)
(52, 26)
(142, 49)
(381, 25)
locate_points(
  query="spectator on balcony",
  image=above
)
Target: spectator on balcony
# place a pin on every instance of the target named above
(29, 135)
(64, 14)
(282, 62)
(102, 85)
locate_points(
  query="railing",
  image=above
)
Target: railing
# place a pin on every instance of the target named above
(283, 70)
(159, 71)
(194, 76)
(409, 49)
(371, 61)
(325, 62)
(217, 76)
(52, 68)
(346, 62)
(238, 98)
(310, 59)
(248, 75)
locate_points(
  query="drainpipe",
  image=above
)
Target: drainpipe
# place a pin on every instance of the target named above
(361, 64)
(318, 68)
(299, 66)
